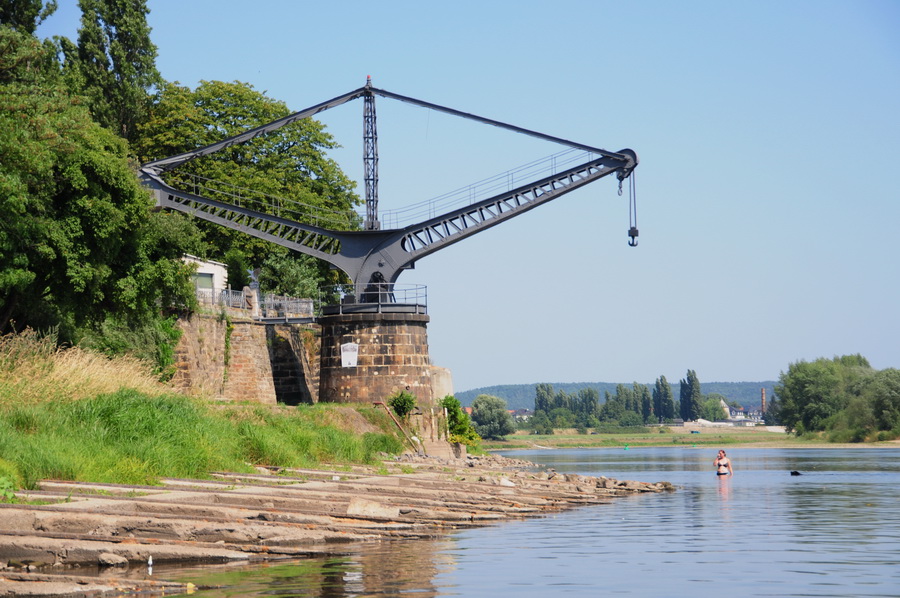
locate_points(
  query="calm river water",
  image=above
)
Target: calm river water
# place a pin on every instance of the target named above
(832, 531)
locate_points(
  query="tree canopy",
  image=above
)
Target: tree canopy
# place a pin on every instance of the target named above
(286, 173)
(25, 15)
(78, 240)
(491, 419)
(82, 248)
(113, 63)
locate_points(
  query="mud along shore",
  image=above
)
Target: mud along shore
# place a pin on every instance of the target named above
(82, 539)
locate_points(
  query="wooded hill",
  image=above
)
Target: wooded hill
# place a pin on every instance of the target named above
(521, 396)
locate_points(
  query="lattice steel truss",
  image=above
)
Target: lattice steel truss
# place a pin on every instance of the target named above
(374, 254)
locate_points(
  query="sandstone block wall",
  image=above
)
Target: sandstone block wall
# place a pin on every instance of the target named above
(200, 356)
(291, 364)
(393, 356)
(248, 376)
(242, 360)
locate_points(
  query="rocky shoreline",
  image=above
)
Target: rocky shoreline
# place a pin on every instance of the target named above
(98, 539)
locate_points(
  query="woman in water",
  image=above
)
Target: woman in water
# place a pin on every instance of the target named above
(723, 464)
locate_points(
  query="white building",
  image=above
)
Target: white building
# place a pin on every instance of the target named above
(210, 279)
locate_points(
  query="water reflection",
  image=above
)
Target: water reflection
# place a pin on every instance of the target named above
(724, 487)
(832, 531)
(391, 568)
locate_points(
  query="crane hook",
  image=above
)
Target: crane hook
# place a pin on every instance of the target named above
(632, 211)
(633, 233)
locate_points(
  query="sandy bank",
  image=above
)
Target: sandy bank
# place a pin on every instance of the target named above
(97, 539)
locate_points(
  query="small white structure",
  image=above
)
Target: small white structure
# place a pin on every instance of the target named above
(210, 279)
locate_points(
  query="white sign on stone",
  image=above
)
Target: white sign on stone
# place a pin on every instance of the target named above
(349, 353)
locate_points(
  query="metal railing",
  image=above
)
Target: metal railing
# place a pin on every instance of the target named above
(373, 298)
(274, 306)
(270, 306)
(338, 299)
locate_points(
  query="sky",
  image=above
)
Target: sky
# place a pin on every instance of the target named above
(767, 133)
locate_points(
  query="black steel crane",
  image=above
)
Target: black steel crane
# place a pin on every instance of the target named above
(374, 255)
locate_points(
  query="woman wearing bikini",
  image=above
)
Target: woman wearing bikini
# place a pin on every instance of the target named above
(723, 464)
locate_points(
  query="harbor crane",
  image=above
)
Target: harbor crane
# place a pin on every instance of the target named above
(375, 254)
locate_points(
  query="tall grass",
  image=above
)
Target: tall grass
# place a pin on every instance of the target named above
(34, 369)
(71, 414)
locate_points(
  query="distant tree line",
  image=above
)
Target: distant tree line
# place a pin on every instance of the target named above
(521, 396)
(629, 406)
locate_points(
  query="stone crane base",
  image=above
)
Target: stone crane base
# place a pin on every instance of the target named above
(55, 549)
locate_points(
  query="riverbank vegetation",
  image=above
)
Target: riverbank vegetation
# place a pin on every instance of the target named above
(843, 399)
(82, 249)
(77, 415)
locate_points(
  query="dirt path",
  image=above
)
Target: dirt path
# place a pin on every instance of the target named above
(58, 548)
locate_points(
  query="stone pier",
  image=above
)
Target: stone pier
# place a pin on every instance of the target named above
(392, 356)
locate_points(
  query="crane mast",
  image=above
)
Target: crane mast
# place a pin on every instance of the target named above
(370, 157)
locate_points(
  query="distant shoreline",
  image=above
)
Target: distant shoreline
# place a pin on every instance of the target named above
(704, 438)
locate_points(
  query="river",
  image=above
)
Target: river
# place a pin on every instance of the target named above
(834, 530)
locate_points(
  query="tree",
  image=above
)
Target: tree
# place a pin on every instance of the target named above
(664, 403)
(491, 418)
(78, 239)
(645, 400)
(543, 398)
(625, 396)
(586, 405)
(540, 423)
(811, 394)
(884, 394)
(114, 62)
(612, 409)
(458, 423)
(631, 419)
(25, 15)
(711, 407)
(690, 397)
(285, 173)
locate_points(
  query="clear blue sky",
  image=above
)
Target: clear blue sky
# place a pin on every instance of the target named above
(767, 134)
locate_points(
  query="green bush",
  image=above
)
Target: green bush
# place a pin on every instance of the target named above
(459, 424)
(402, 403)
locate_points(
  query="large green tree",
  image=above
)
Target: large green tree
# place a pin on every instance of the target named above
(78, 239)
(811, 394)
(491, 418)
(113, 63)
(286, 173)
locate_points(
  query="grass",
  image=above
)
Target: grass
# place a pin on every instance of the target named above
(33, 369)
(75, 415)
